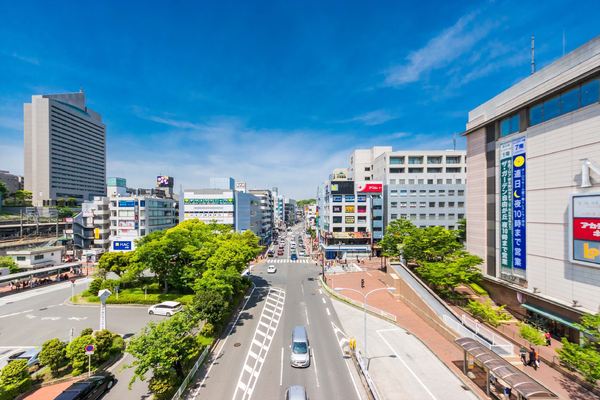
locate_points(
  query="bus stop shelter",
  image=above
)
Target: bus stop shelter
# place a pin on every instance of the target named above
(497, 368)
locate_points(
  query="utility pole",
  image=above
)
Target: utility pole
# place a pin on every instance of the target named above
(21, 228)
(532, 54)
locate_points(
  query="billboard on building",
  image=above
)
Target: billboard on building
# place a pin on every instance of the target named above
(369, 187)
(512, 204)
(164, 181)
(240, 187)
(342, 187)
(122, 245)
(585, 229)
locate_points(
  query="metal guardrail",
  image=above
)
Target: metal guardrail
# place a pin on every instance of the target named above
(365, 373)
(191, 374)
(504, 349)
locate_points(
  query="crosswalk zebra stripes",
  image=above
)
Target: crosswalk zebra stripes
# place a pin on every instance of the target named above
(287, 260)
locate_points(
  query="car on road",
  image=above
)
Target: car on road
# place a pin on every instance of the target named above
(167, 308)
(29, 355)
(296, 392)
(270, 253)
(91, 388)
(294, 257)
(271, 269)
(300, 356)
(280, 252)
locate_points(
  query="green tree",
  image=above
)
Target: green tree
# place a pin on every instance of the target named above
(23, 197)
(585, 357)
(3, 191)
(396, 232)
(8, 262)
(458, 269)
(305, 202)
(462, 230)
(434, 243)
(531, 334)
(76, 353)
(114, 261)
(164, 348)
(211, 306)
(14, 372)
(53, 355)
(71, 202)
(488, 312)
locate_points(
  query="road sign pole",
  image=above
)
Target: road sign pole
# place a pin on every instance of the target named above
(89, 365)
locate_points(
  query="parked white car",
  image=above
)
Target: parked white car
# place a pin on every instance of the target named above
(167, 308)
(271, 269)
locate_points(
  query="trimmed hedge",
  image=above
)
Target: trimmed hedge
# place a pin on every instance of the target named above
(130, 296)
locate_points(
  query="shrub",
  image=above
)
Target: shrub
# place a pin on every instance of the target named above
(95, 286)
(532, 334)
(53, 355)
(487, 312)
(14, 380)
(76, 353)
(208, 330)
(478, 289)
(163, 387)
(584, 359)
(86, 331)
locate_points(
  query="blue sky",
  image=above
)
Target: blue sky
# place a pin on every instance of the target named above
(275, 93)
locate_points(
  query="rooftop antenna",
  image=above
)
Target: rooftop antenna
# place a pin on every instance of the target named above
(454, 141)
(564, 42)
(532, 54)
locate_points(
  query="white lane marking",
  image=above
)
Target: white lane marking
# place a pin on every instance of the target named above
(407, 367)
(195, 394)
(77, 318)
(15, 313)
(323, 299)
(302, 288)
(320, 291)
(316, 370)
(341, 341)
(281, 370)
(327, 310)
(50, 318)
(306, 313)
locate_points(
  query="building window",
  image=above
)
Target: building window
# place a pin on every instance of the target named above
(394, 216)
(362, 209)
(434, 159)
(337, 220)
(440, 181)
(394, 192)
(337, 199)
(367, 168)
(461, 204)
(432, 204)
(415, 170)
(449, 181)
(451, 204)
(367, 178)
(413, 192)
(413, 204)
(509, 125)
(337, 229)
(402, 181)
(411, 181)
(450, 193)
(451, 227)
(434, 170)
(422, 216)
(361, 229)
(442, 216)
(422, 204)
(441, 204)
(442, 193)
(413, 216)
(430, 181)
(453, 170)
(403, 192)
(461, 216)
(21, 258)
(459, 181)
(403, 204)
(461, 192)
(392, 181)
(453, 159)
(420, 181)
(396, 160)
(38, 257)
(415, 160)
(451, 216)
(396, 170)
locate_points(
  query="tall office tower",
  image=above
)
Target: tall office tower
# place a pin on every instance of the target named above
(65, 149)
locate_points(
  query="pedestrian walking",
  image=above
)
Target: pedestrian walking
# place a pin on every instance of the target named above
(548, 338)
(536, 358)
(523, 354)
(531, 361)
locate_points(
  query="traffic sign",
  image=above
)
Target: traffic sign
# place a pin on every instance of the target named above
(89, 349)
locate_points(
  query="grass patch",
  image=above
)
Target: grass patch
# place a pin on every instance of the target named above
(135, 296)
(478, 289)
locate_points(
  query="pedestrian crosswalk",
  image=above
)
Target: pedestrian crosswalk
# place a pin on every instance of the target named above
(287, 260)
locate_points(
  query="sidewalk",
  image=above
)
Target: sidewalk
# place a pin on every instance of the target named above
(447, 351)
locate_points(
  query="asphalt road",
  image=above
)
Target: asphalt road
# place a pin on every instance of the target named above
(252, 362)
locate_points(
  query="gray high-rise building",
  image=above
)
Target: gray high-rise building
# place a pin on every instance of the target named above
(65, 149)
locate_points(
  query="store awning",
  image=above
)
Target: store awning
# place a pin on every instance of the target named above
(550, 315)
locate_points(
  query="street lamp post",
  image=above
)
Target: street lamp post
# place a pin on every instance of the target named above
(365, 296)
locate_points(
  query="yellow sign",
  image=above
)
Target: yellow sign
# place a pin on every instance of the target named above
(96, 233)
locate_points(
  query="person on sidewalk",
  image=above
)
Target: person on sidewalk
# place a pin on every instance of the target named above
(531, 362)
(537, 359)
(523, 354)
(548, 337)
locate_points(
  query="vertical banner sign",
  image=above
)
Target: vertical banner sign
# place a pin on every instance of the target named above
(506, 205)
(519, 204)
(585, 229)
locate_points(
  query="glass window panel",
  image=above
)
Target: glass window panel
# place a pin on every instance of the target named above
(505, 127)
(514, 123)
(569, 101)
(590, 93)
(551, 108)
(535, 114)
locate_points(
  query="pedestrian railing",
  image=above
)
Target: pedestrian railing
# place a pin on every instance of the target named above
(483, 335)
(191, 374)
(360, 304)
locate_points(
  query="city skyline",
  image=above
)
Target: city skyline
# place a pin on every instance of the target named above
(289, 100)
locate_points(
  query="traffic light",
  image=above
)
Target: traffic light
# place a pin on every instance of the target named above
(362, 283)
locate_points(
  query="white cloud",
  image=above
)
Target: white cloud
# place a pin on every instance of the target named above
(26, 59)
(376, 117)
(440, 51)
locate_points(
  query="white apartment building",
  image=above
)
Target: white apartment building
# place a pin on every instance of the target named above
(533, 188)
(133, 217)
(267, 208)
(424, 186)
(64, 149)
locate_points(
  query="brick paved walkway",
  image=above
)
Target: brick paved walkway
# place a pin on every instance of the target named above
(447, 351)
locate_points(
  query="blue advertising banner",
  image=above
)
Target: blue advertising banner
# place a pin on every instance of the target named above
(506, 241)
(519, 204)
(122, 245)
(126, 203)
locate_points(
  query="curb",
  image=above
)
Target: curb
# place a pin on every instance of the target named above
(465, 382)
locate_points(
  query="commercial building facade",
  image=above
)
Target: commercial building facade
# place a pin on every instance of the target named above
(426, 187)
(64, 149)
(11, 181)
(533, 192)
(267, 205)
